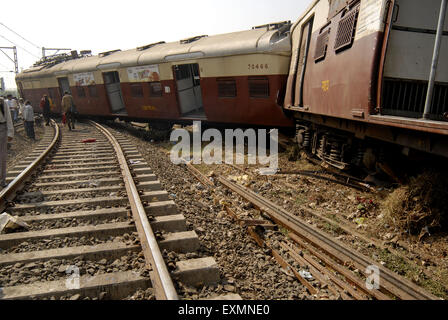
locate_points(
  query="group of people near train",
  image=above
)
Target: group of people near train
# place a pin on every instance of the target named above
(12, 109)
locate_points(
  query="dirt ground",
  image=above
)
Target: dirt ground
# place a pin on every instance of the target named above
(21, 145)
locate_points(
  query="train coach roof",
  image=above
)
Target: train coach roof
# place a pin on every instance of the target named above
(257, 40)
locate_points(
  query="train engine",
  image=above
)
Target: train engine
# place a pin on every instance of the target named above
(364, 80)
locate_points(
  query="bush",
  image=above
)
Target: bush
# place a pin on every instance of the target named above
(419, 205)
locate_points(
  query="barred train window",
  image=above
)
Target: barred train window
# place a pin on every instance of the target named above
(155, 89)
(258, 87)
(136, 90)
(322, 44)
(226, 88)
(93, 92)
(347, 29)
(81, 92)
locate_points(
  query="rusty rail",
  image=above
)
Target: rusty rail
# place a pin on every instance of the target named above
(10, 191)
(390, 282)
(345, 180)
(203, 179)
(162, 282)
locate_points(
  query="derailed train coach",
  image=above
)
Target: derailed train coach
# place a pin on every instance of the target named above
(233, 79)
(359, 75)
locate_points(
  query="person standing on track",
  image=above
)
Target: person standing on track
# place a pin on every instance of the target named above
(21, 107)
(15, 107)
(67, 107)
(6, 135)
(45, 106)
(28, 118)
(12, 105)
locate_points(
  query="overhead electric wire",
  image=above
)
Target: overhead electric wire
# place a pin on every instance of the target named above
(19, 35)
(20, 47)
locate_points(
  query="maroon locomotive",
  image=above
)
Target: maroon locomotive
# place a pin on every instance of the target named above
(359, 74)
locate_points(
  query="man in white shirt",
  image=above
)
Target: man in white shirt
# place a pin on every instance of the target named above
(28, 118)
(13, 107)
(6, 134)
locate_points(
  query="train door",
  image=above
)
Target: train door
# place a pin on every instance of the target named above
(188, 83)
(64, 86)
(408, 60)
(113, 89)
(304, 48)
(21, 92)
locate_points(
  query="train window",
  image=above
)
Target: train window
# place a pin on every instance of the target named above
(136, 90)
(322, 44)
(155, 89)
(347, 29)
(111, 77)
(182, 72)
(93, 91)
(258, 87)
(195, 72)
(226, 88)
(81, 92)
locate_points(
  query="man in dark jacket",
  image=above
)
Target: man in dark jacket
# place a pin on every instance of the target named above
(45, 106)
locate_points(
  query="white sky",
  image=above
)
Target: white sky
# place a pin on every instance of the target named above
(100, 25)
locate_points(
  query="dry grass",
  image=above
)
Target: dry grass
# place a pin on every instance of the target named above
(419, 205)
(305, 165)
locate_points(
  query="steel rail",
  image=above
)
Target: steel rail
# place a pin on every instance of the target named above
(10, 191)
(315, 174)
(391, 282)
(164, 287)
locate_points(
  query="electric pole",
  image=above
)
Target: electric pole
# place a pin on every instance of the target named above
(14, 60)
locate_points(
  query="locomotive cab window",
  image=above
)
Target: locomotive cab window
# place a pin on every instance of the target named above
(136, 90)
(226, 88)
(155, 89)
(81, 92)
(322, 44)
(258, 87)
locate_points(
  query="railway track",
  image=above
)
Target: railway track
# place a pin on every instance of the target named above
(336, 267)
(100, 225)
(338, 178)
(19, 126)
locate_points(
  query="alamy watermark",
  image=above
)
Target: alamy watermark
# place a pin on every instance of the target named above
(73, 280)
(213, 152)
(373, 278)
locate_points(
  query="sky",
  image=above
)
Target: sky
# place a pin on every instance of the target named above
(100, 25)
